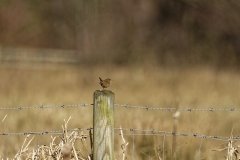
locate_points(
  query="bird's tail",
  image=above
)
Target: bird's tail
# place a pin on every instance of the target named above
(100, 79)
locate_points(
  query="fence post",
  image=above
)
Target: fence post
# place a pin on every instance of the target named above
(103, 125)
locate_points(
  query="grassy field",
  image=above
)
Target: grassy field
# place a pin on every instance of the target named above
(35, 84)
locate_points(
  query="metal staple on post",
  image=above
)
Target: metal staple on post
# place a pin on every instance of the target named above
(103, 125)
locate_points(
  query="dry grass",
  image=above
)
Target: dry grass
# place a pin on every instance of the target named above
(48, 84)
(232, 150)
(65, 149)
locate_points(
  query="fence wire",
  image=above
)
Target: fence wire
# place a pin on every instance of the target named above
(176, 109)
(127, 131)
(167, 133)
(130, 132)
(44, 107)
(44, 132)
(147, 108)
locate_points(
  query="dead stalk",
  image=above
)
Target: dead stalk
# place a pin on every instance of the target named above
(124, 145)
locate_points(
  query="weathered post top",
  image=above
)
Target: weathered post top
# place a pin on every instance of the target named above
(103, 125)
(105, 92)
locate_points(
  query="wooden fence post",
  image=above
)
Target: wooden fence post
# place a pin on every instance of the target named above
(103, 125)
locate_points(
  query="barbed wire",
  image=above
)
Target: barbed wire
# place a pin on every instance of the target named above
(128, 131)
(167, 133)
(44, 132)
(133, 131)
(43, 107)
(176, 109)
(147, 108)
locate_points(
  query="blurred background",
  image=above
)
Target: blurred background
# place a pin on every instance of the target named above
(52, 53)
(179, 32)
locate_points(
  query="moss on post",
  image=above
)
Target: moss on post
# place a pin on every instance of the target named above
(103, 125)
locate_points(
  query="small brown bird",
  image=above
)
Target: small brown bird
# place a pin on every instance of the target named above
(105, 83)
